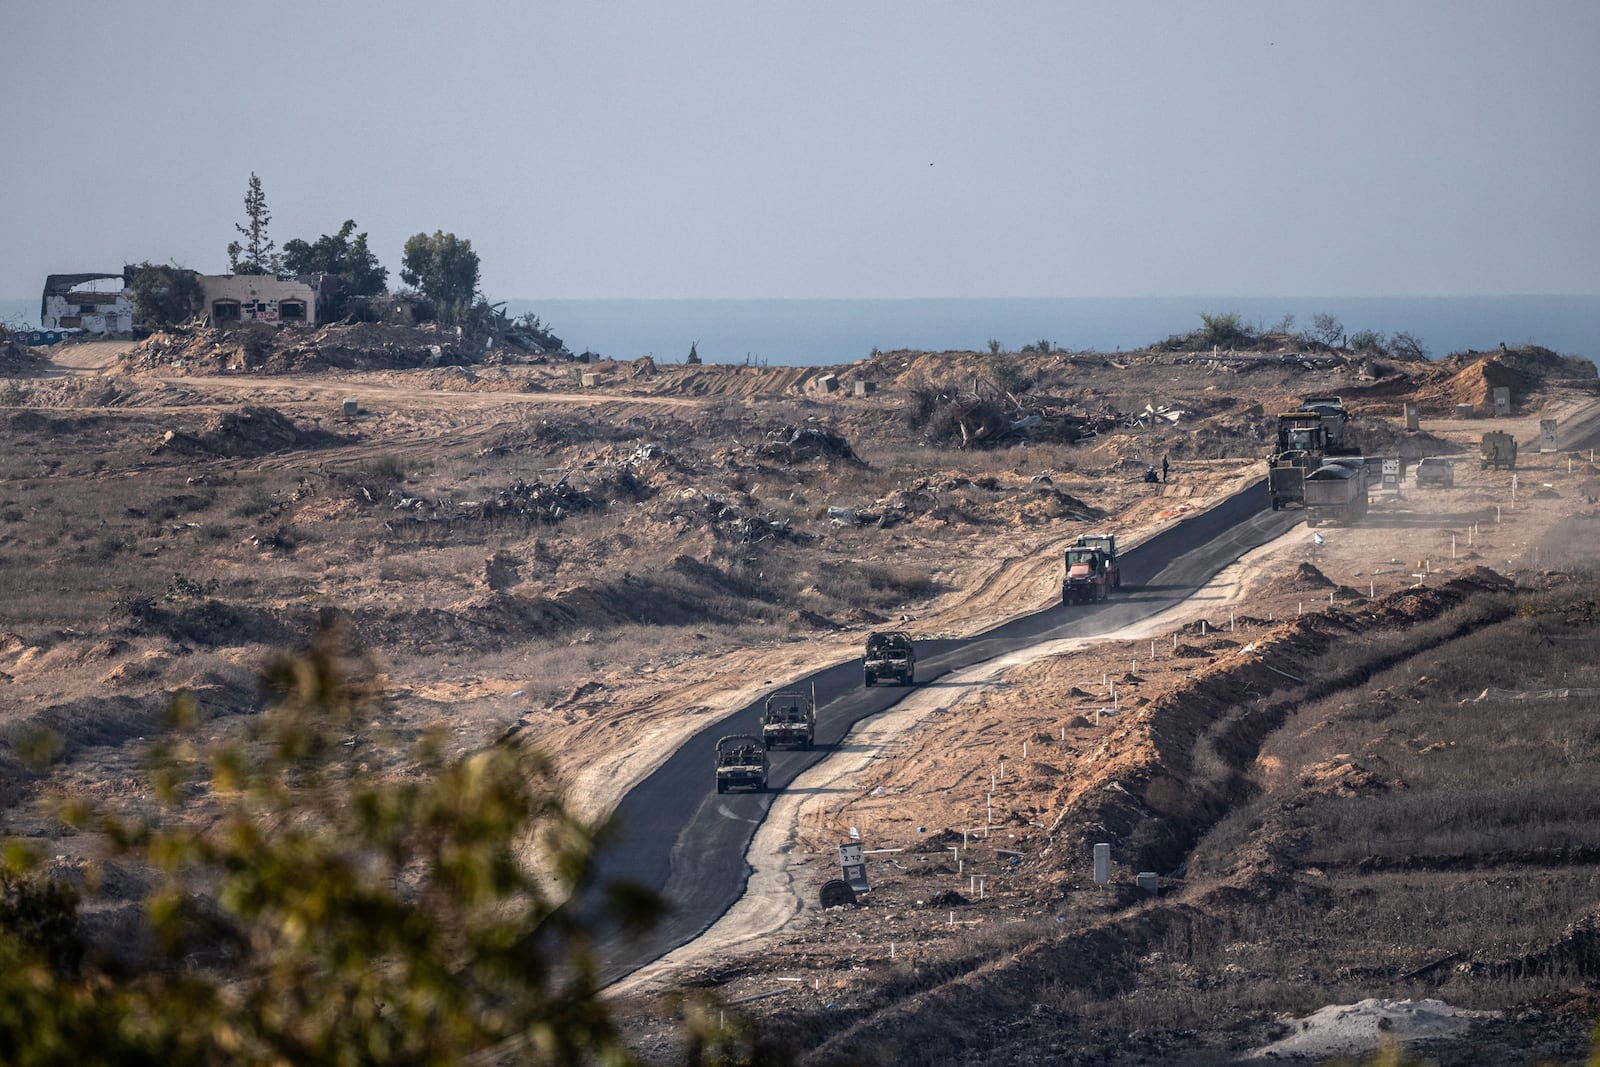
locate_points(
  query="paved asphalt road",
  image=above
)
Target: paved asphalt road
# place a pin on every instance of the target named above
(681, 838)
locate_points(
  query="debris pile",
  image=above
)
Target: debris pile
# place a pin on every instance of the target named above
(520, 501)
(791, 444)
(259, 348)
(16, 358)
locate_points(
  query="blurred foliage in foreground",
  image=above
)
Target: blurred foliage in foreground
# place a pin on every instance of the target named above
(320, 914)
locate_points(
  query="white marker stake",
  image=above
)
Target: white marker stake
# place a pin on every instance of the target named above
(1452, 546)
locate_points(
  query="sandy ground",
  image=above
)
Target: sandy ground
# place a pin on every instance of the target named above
(1414, 537)
(928, 764)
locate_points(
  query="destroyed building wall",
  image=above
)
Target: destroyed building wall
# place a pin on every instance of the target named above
(79, 302)
(261, 298)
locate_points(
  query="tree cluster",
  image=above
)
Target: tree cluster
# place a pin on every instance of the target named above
(443, 267)
(164, 296)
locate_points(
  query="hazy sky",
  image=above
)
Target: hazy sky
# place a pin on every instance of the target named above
(860, 149)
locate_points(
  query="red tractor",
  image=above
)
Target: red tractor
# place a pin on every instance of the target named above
(1088, 576)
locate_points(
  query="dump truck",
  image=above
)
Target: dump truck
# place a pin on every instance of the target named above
(1337, 491)
(890, 654)
(1499, 450)
(789, 719)
(1106, 543)
(1088, 576)
(741, 763)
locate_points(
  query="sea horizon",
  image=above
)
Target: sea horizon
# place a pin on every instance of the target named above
(816, 332)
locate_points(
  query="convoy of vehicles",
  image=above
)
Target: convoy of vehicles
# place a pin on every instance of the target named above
(890, 654)
(789, 719)
(741, 763)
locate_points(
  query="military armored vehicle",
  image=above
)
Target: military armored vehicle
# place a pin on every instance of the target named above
(890, 654)
(789, 719)
(741, 763)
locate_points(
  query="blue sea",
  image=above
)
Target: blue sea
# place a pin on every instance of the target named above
(825, 332)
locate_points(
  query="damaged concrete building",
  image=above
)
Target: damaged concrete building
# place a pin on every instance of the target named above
(233, 298)
(80, 302)
(84, 302)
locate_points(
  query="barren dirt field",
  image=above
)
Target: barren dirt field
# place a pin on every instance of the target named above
(1359, 769)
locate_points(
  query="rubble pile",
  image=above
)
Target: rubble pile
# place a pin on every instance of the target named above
(260, 348)
(520, 501)
(791, 444)
(16, 358)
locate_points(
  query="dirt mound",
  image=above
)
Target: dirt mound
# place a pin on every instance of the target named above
(17, 359)
(252, 431)
(1531, 363)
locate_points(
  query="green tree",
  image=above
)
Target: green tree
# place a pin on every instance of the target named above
(368, 920)
(445, 268)
(1367, 341)
(344, 255)
(164, 295)
(258, 255)
(1225, 329)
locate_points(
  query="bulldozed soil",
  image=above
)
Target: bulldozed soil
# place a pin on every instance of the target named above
(603, 557)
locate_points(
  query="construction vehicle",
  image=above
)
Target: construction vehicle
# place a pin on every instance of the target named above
(741, 762)
(890, 654)
(1088, 577)
(789, 719)
(1302, 442)
(1106, 543)
(1337, 490)
(1499, 450)
(1306, 438)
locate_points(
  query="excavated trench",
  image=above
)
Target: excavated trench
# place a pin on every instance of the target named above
(1227, 710)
